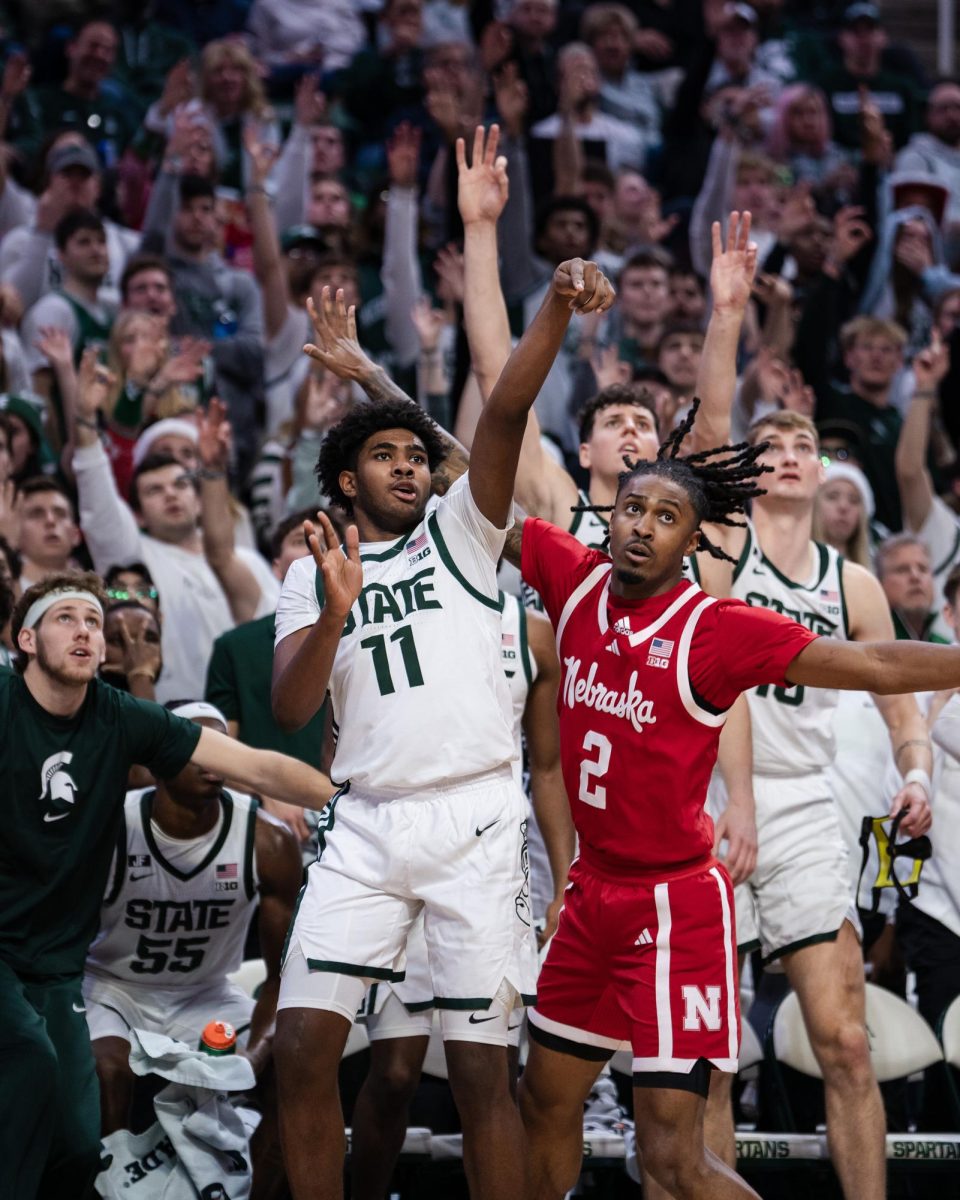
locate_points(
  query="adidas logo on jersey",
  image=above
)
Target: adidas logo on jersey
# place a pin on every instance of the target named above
(622, 626)
(644, 939)
(613, 648)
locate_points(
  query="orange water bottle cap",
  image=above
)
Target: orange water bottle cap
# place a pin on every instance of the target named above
(218, 1037)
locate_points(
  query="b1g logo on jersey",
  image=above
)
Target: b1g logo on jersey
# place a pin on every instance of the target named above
(660, 653)
(57, 786)
(701, 1010)
(417, 549)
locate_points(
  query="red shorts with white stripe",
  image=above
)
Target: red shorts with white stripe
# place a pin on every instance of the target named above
(649, 965)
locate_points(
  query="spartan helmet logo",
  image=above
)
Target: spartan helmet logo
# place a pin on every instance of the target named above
(56, 785)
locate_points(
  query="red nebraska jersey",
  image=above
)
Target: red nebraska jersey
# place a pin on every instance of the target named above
(644, 692)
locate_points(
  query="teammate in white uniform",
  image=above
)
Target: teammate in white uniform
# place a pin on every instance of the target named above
(407, 638)
(924, 513)
(193, 862)
(805, 914)
(399, 1016)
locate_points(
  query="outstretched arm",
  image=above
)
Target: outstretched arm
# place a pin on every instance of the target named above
(913, 479)
(262, 770)
(239, 583)
(731, 281)
(577, 286)
(542, 486)
(884, 668)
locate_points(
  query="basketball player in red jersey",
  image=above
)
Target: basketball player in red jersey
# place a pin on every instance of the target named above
(645, 951)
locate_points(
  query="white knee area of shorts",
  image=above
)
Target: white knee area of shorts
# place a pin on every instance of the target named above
(491, 1025)
(394, 1020)
(302, 988)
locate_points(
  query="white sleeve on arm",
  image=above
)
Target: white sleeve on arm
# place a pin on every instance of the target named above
(108, 524)
(298, 606)
(940, 533)
(402, 284)
(23, 262)
(473, 543)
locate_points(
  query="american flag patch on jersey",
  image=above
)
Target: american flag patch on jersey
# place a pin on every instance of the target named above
(831, 597)
(507, 639)
(226, 871)
(417, 544)
(661, 647)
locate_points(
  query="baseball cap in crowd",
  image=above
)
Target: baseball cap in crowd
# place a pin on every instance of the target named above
(739, 12)
(169, 427)
(303, 235)
(74, 154)
(861, 11)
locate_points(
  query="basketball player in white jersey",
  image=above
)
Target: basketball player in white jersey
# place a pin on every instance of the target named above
(193, 862)
(399, 1016)
(806, 919)
(404, 630)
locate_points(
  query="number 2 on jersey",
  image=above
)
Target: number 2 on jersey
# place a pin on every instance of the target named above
(594, 769)
(381, 659)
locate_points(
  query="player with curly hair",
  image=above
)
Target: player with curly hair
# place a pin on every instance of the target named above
(403, 626)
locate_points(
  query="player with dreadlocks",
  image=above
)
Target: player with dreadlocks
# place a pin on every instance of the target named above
(645, 951)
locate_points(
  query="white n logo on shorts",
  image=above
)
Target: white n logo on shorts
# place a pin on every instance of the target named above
(700, 1010)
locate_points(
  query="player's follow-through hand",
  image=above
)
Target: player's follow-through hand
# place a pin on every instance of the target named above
(586, 285)
(342, 573)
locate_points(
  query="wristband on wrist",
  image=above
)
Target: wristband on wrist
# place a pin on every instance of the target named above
(86, 423)
(925, 394)
(919, 775)
(211, 473)
(144, 671)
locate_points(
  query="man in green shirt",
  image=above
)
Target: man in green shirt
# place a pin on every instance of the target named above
(906, 576)
(107, 116)
(68, 741)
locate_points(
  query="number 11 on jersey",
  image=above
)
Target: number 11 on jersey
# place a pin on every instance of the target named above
(593, 769)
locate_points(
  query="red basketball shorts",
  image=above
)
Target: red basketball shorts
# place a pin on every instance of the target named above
(649, 966)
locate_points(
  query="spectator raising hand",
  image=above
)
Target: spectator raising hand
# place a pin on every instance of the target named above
(403, 155)
(482, 187)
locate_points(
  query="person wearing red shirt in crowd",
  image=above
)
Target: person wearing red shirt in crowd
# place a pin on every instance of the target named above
(645, 951)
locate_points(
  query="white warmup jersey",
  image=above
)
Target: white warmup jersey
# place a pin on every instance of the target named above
(176, 913)
(418, 693)
(793, 726)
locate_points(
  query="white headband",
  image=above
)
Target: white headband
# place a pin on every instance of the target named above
(40, 606)
(193, 710)
(170, 427)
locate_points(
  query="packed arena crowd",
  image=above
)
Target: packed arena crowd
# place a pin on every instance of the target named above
(479, 600)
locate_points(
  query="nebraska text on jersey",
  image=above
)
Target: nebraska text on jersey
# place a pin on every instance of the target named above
(629, 704)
